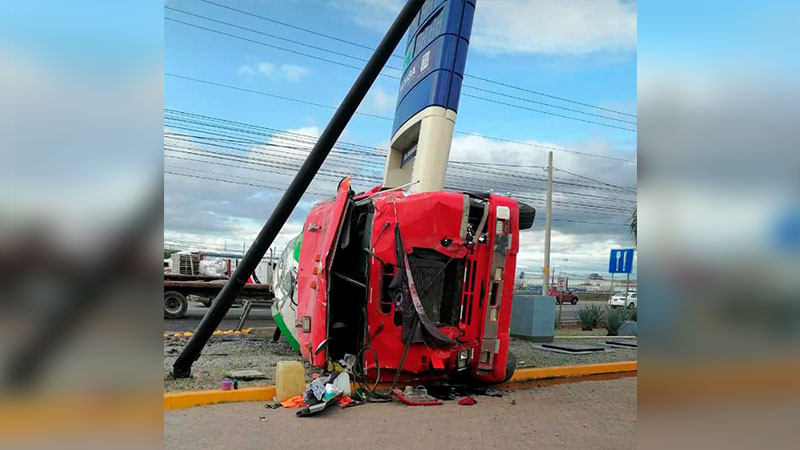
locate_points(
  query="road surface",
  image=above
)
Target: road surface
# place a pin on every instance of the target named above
(584, 415)
(260, 316)
(569, 312)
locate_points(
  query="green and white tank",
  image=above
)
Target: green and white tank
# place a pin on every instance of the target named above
(284, 308)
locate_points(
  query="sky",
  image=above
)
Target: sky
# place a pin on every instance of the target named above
(566, 63)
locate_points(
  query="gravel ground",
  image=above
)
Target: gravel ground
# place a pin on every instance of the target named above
(231, 352)
(530, 356)
(223, 354)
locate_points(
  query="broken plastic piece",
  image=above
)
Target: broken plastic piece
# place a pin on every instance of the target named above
(319, 407)
(293, 402)
(467, 401)
(416, 396)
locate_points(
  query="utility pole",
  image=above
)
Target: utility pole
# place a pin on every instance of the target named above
(548, 214)
(182, 368)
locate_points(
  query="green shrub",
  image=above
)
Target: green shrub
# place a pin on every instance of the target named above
(590, 316)
(613, 318)
(634, 314)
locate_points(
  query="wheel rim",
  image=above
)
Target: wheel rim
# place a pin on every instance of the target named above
(172, 305)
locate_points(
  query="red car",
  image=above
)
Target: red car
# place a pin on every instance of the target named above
(563, 297)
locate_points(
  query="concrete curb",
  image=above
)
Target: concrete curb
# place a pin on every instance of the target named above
(188, 399)
(582, 370)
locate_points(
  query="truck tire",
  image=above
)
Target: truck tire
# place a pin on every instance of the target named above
(175, 305)
(511, 366)
(574, 300)
(526, 216)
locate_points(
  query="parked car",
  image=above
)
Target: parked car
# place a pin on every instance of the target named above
(623, 300)
(563, 297)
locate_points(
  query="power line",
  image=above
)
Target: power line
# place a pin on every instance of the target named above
(545, 147)
(317, 33)
(274, 36)
(345, 55)
(338, 174)
(498, 139)
(376, 160)
(478, 97)
(366, 47)
(221, 130)
(276, 47)
(597, 181)
(549, 113)
(267, 94)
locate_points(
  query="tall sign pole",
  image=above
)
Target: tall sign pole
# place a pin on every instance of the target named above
(548, 218)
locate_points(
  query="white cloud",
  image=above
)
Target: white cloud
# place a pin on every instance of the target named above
(266, 68)
(555, 26)
(379, 101)
(245, 70)
(374, 15)
(288, 72)
(528, 26)
(294, 73)
(382, 100)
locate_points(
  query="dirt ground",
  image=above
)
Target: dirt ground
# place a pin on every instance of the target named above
(589, 414)
(223, 354)
(232, 352)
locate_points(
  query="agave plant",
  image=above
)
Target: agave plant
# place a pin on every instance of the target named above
(589, 316)
(613, 318)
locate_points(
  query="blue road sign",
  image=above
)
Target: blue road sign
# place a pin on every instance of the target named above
(621, 261)
(436, 52)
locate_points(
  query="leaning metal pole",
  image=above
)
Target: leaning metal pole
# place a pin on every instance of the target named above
(222, 303)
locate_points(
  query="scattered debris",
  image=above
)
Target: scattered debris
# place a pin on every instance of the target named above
(416, 396)
(293, 402)
(263, 418)
(513, 401)
(467, 401)
(319, 407)
(492, 392)
(446, 391)
(247, 375)
(272, 405)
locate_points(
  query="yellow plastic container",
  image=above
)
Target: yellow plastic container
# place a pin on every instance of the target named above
(290, 379)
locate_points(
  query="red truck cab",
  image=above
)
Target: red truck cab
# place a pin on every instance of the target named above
(460, 251)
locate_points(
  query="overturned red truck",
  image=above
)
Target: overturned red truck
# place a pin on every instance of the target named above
(381, 269)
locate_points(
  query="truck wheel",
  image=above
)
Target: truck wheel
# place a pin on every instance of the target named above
(526, 215)
(175, 305)
(511, 366)
(575, 300)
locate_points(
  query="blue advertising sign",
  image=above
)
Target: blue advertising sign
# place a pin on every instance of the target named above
(621, 261)
(435, 56)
